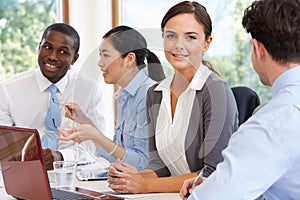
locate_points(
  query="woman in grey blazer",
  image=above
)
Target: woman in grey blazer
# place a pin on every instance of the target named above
(191, 114)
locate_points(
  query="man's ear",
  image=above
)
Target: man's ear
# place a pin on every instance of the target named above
(130, 59)
(259, 49)
(76, 56)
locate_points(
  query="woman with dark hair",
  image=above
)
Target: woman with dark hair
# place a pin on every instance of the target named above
(123, 52)
(191, 114)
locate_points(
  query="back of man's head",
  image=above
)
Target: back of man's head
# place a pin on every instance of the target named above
(276, 24)
(65, 29)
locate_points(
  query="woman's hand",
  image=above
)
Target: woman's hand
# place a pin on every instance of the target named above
(79, 133)
(69, 134)
(124, 178)
(74, 112)
(123, 167)
(126, 182)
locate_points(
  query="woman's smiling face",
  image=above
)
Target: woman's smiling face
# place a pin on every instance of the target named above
(111, 63)
(184, 41)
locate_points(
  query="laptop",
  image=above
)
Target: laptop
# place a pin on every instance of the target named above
(23, 168)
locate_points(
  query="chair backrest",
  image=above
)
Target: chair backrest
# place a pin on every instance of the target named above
(247, 100)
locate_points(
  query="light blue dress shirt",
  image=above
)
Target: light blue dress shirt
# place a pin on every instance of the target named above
(262, 160)
(131, 126)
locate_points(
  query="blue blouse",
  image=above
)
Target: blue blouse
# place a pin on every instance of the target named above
(131, 126)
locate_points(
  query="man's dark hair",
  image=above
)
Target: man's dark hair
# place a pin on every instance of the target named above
(65, 29)
(276, 24)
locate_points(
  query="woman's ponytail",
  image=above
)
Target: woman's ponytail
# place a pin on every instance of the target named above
(155, 69)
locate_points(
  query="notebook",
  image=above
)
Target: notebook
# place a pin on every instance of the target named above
(23, 168)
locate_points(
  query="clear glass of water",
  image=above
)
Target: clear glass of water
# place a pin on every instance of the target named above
(65, 174)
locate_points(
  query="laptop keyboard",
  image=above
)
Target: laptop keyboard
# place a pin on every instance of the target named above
(66, 195)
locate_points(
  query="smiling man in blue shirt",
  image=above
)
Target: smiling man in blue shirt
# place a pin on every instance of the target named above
(262, 160)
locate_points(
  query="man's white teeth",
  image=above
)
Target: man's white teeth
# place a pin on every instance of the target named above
(179, 55)
(49, 65)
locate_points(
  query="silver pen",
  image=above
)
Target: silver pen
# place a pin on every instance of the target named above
(200, 175)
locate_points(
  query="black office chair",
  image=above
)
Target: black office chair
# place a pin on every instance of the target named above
(247, 100)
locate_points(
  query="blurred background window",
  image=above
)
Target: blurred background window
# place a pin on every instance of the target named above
(21, 25)
(23, 21)
(230, 50)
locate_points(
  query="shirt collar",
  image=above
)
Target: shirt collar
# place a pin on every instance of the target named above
(200, 78)
(288, 77)
(133, 85)
(165, 84)
(197, 82)
(44, 83)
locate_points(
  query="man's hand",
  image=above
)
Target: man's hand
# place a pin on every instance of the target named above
(187, 187)
(51, 156)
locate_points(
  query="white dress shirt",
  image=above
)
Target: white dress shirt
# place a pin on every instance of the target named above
(24, 101)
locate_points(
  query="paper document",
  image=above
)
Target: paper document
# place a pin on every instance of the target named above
(165, 196)
(93, 171)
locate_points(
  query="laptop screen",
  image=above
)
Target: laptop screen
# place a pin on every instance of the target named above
(22, 166)
(23, 169)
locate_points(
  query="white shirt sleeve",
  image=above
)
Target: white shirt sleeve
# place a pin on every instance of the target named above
(101, 108)
(5, 117)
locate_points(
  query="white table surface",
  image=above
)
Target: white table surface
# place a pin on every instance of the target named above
(99, 186)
